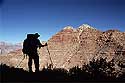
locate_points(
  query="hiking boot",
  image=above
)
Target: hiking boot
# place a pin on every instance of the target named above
(30, 70)
(36, 70)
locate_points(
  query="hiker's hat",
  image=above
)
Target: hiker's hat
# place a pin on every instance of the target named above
(36, 34)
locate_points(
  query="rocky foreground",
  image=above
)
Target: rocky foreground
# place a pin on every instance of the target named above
(74, 47)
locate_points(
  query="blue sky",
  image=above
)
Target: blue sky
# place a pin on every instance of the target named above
(19, 17)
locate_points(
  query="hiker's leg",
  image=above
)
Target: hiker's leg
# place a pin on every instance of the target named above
(36, 61)
(30, 64)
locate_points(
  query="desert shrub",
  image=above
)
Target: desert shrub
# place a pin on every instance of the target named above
(96, 70)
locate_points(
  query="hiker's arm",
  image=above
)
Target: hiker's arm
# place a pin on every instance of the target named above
(40, 45)
(44, 45)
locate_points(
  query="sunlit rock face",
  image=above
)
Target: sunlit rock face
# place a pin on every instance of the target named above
(74, 47)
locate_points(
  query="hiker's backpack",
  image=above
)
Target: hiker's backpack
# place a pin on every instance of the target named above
(27, 49)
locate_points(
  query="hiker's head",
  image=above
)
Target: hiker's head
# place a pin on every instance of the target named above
(37, 35)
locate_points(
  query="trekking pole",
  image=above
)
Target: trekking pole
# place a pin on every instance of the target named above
(49, 55)
(21, 61)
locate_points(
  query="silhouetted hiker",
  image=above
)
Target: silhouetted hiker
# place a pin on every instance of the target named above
(30, 45)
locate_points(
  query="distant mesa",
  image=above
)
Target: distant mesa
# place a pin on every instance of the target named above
(5, 47)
